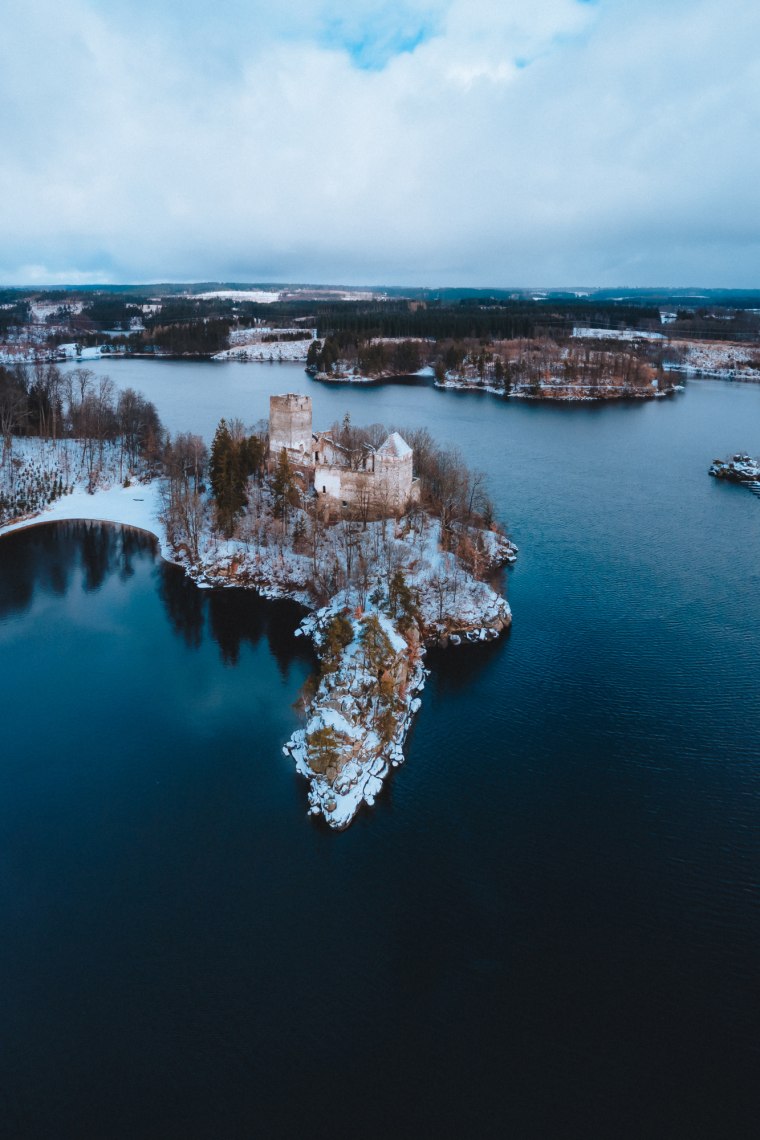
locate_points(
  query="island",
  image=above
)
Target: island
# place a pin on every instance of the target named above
(537, 368)
(741, 468)
(386, 539)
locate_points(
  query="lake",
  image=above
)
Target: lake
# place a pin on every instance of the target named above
(548, 924)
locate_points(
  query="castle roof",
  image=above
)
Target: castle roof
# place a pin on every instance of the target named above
(395, 445)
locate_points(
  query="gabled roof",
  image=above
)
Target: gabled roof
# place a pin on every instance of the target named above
(395, 445)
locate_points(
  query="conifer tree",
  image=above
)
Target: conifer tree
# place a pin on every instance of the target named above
(378, 651)
(402, 601)
(227, 472)
(284, 488)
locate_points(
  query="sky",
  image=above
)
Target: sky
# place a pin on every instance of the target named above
(489, 143)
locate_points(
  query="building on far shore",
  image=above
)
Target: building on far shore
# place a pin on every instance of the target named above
(378, 480)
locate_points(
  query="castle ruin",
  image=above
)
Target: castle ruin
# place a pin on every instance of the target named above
(377, 480)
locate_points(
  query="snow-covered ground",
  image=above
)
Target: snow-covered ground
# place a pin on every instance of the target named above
(348, 377)
(616, 334)
(717, 358)
(275, 350)
(250, 344)
(28, 353)
(350, 706)
(555, 388)
(138, 505)
(41, 310)
(260, 296)
(258, 333)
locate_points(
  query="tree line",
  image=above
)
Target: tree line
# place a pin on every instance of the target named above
(40, 400)
(369, 357)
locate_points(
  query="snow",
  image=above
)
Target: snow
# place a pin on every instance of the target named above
(366, 761)
(70, 352)
(137, 506)
(41, 310)
(260, 296)
(346, 378)
(263, 351)
(395, 445)
(616, 334)
(397, 641)
(716, 358)
(331, 718)
(28, 352)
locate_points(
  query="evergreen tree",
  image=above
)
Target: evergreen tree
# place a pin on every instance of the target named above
(378, 650)
(339, 634)
(284, 487)
(312, 356)
(227, 472)
(254, 454)
(221, 449)
(402, 601)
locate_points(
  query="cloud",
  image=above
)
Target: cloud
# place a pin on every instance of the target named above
(430, 141)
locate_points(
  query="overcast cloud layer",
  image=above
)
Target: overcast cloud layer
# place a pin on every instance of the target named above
(481, 142)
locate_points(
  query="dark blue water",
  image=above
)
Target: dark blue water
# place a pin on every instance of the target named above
(547, 926)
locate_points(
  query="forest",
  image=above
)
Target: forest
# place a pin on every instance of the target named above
(186, 324)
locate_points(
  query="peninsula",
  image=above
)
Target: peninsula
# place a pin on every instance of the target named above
(387, 540)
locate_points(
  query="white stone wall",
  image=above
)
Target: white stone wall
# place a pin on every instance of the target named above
(327, 481)
(393, 477)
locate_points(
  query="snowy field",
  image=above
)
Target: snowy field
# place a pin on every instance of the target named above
(264, 351)
(616, 334)
(717, 358)
(259, 296)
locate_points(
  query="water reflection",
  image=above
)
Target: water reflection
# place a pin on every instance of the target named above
(184, 605)
(55, 558)
(49, 558)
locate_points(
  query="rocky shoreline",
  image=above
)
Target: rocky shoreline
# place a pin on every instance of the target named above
(358, 718)
(558, 392)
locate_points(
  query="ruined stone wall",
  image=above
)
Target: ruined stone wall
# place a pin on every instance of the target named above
(328, 452)
(327, 481)
(290, 427)
(386, 490)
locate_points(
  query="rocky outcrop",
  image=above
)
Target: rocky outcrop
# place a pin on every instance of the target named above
(360, 715)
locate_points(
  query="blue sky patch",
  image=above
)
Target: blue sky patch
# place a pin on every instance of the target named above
(377, 41)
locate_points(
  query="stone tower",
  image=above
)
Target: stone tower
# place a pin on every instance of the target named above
(394, 484)
(290, 428)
